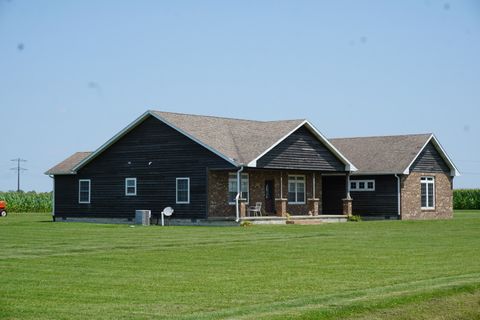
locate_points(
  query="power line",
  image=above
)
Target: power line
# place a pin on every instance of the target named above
(18, 169)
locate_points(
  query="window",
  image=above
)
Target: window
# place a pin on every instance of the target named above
(131, 186)
(232, 187)
(362, 185)
(428, 192)
(183, 190)
(84, 191)
(296, 189)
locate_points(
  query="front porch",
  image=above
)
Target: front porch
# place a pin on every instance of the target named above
(303, 220)
(283, 195)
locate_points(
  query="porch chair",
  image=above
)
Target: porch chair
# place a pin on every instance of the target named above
(256, 209)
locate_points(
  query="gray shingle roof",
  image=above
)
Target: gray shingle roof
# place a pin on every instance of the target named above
(66, 166)
(382, 154)
(239, 140)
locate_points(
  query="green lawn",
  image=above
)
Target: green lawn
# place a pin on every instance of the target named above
(366, 270)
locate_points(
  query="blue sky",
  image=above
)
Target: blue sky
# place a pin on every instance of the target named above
(73, 73)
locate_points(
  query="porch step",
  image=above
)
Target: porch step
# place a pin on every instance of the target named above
(299, 220)
(305, 222)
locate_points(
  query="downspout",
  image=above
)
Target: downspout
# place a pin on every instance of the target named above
(53, 197)
(399, 211)
(348, 187)
(239, 191)
(313, 191)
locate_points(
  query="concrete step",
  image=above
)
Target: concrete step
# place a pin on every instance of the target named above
(304, 222)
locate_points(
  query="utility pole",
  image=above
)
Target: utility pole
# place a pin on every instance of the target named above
(18, 169)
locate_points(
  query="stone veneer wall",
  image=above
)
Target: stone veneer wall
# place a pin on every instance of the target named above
(411, 197)
(218, 190)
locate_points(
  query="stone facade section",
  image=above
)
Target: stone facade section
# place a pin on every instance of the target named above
(218, 205)
(218, 195)
(347, 206)
(411, 197)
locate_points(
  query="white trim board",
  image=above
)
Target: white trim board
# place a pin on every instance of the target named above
(348, 165)
(111, 141)
(188, 190)
(89, 191)
(221, 155)
(134, 186)
(134, 124)
(453, 169)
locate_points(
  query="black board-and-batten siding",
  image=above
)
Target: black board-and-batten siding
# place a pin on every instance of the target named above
(153, 153)
(429, 160)
(382, 201)
(301, 150)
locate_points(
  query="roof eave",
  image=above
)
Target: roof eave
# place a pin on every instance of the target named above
(131, 126)
(48, 173)
(348, 165)
(218, 153)
(454, 172)
(375, 173)
(111, 141)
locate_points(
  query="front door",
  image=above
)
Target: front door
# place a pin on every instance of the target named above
(269, 197)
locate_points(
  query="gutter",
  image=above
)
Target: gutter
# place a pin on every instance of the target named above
(239, 192)
(53, 196)
(398, 195)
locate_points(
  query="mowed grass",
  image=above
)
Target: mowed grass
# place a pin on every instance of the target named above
(366, 270)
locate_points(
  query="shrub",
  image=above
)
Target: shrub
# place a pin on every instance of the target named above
(246, 223)
(27, 201)
(354, 218)
(466, 199)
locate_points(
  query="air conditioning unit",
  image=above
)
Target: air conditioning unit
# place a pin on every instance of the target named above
(143, 217)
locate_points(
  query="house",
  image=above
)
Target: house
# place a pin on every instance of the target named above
(195, 164)
(408, 176)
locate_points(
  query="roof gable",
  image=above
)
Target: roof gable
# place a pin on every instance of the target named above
(240, 142)
(429, 160)
(433, 141)
(301, 150)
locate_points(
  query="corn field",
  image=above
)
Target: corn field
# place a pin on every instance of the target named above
(42, 201)
(27, 201)
(466, 199)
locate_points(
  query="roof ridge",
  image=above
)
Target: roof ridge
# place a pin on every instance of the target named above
(285, 120)
(226, 118)
(208, 116)
(386, 136)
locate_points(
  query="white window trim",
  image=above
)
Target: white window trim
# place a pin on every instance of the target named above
(357, 184)
(248, 185)
(188, 189)
(427, 182)
(89, 189)
(296, 194)
(126, 186)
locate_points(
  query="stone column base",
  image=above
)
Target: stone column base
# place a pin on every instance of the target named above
(313, 204)
(243, 208)
(281, 207)
(347, 206)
